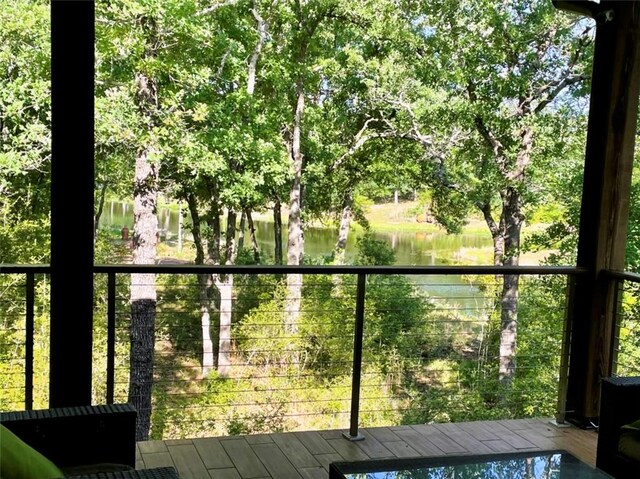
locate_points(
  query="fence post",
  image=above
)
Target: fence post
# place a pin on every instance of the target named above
(564, 357)
(353, 434)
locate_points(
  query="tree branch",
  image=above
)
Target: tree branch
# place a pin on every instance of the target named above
(557, 86)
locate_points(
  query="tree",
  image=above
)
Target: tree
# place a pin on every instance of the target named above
(25, 108)
(131, 72)
(502, 80)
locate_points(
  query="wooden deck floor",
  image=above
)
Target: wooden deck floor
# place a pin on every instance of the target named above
(308, 454)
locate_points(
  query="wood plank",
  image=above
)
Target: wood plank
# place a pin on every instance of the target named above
(243, 457)
(295, 451)
(147, 447)
(401, 449)
(549, 430)
(515, 424)
(212, 453)
(332, 434)
(258, 438)
(446, 427)
(276, 462)
(347, 449)
(517, 441)
(187, 461)
(419, 442)
(178, 442)
(230, 473)
(372, 447)
(470, 443)
(479, 430)
(399, 428)
(313, 473)
(538, 439)
(499, 446)
(382, 434)
(314, 442)
(139, 461)
(326, 459)
(495, 427)
(440, 440)
(157, 459)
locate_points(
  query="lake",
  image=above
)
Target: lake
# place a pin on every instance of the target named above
(411, 248)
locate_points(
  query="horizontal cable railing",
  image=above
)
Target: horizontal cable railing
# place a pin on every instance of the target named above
(626, 344)
(24, 325)
(428, 339)
(354, 346)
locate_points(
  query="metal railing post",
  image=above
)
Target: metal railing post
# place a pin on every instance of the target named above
(30, 297)
(111, 335)
(564, 355)
(353, 434)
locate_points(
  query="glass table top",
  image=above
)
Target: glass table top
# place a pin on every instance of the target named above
(531, 465)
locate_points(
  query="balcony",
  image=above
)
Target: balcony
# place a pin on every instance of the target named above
(283, 409)
(589, 311)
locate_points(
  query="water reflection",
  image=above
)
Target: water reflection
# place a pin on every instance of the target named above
(411, 248)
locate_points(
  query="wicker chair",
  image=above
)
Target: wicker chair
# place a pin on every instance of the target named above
(619, 405)
(87, 439)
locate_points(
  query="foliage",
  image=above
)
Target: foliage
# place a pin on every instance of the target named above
(25, 123)
(398, 97)
(374, 252)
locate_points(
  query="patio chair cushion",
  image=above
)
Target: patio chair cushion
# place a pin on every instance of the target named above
(629, 442)
(18, 460)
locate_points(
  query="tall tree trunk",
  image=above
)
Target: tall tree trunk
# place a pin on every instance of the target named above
(224, 284)
(143, 293)
(506, 235)
(225, 289)
(241, 230)
(145, 236)
(277, 231)
(205, 283)
(512, 209)
(96, 218)
(252, 236)
(343, 231)
(497, 233)
(295, 243)
(262, 28)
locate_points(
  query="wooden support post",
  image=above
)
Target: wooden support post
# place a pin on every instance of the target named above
(72, 168)
(605, 202)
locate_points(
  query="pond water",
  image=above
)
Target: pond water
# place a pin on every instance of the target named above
(411, 248)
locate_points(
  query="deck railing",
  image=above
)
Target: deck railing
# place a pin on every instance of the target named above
(625, 355)
(372, 346)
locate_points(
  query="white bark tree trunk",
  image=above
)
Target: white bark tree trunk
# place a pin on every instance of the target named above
(295, 243)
